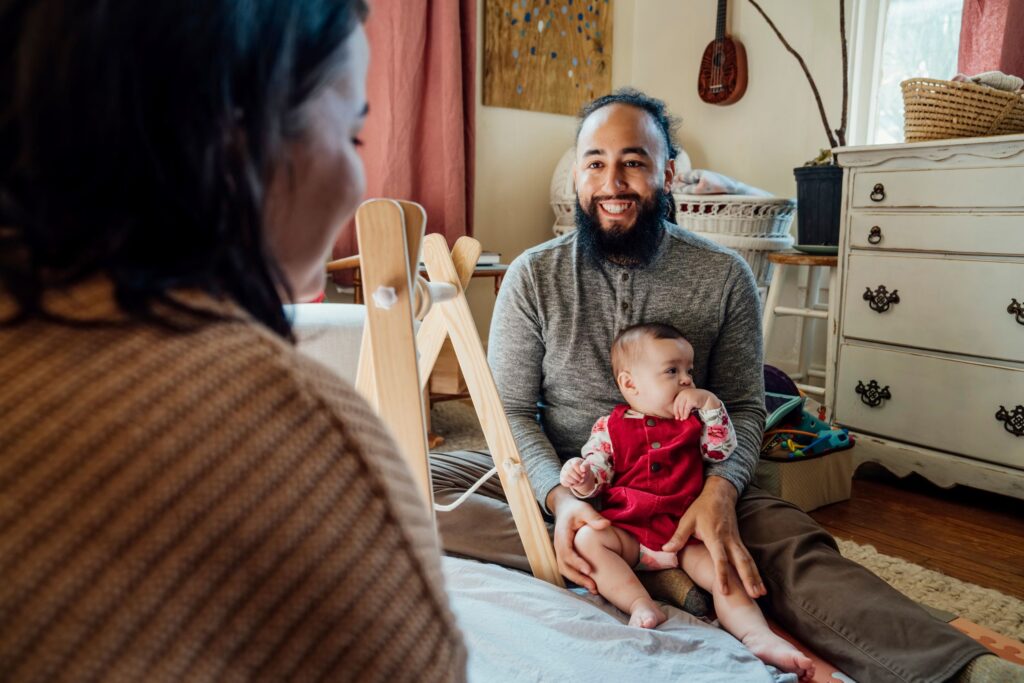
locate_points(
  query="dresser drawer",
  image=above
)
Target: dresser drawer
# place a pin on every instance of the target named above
(935, 402)
(940, 187)
(964, 233)
(955, 305)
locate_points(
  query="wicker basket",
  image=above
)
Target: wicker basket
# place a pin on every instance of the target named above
(754, 251)
(937, 110)
(739, 215)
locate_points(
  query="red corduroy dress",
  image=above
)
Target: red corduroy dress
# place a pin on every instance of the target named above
(658, 474)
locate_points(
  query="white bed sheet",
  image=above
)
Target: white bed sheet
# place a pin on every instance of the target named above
(518, 628)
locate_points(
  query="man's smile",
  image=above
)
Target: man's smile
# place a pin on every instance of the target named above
(616, 207)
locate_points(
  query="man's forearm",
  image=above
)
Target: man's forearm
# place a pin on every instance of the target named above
(555, 497)
(739, 468)
(515, 353)
(719, 486)
(542, 464)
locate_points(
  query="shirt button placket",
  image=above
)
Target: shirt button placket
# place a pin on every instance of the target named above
(624, 295)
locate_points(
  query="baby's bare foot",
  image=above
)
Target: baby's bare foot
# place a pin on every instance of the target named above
(645, 613)
(771, 649)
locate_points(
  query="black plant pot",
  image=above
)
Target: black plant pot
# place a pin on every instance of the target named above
(819, 193)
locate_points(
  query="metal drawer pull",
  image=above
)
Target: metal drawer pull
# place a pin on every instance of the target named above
(1016, 309)
(878, 192)
(872, 395)
(875, 236)
(880, 299)
(1012, 422)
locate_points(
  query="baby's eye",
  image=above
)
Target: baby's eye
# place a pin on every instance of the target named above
(690, 372)
(671, 371)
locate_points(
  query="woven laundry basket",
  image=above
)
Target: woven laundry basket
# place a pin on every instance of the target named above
(739, 215)
(938, 110)
(754, 250)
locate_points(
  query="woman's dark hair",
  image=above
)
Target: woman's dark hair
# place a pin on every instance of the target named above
(138, 137)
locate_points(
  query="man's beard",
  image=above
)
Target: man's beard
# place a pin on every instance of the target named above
(633, 246)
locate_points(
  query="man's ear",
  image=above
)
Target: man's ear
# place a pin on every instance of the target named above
(626, 384)
(670, 173)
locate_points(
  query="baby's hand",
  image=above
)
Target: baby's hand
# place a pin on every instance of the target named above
(692, 398)
(577, 475)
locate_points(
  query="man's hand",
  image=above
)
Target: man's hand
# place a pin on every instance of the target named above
(690, 399)
(712, 519)
(571, 515)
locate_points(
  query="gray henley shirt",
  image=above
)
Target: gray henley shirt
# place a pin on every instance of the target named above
(554, 321)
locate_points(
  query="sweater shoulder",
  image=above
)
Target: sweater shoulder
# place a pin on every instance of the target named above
(708, 252)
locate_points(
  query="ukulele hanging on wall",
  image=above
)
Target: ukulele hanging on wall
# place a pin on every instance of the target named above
(723, 69)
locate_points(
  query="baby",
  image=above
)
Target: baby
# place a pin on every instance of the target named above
(645, 460)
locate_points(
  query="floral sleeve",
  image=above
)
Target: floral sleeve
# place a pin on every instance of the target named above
(597, 455)
(718, 439)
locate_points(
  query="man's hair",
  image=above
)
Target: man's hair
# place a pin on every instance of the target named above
(138, 140)
(667, 124)
(626, 346)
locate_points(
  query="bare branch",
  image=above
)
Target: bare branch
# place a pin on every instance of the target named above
(803, 65)
(841, 133)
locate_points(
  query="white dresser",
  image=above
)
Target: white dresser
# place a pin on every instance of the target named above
(928, 333)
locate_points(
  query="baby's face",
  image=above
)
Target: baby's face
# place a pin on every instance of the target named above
(663, 367)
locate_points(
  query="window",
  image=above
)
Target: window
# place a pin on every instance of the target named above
(910, 38)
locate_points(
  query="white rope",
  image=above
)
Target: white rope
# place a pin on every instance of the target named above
(472, 489)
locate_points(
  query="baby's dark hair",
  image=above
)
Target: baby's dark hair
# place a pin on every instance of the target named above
(627, 342)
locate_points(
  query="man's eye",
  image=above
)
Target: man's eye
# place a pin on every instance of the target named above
(634, 164)
(594, 164)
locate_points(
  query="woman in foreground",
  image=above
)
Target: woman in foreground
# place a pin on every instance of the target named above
(182, 495)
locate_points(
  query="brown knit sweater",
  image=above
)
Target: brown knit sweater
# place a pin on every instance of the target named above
(204, 505)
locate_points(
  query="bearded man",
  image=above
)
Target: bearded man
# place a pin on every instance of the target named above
(561, 305)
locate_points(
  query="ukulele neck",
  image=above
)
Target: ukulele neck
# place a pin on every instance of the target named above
(720, 20)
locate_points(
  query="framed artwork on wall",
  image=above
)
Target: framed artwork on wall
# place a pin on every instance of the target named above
(546, 55)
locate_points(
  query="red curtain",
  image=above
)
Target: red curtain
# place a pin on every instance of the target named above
(992, 37)
(418, 138)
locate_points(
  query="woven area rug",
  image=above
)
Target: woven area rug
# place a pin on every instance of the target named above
(457, 422)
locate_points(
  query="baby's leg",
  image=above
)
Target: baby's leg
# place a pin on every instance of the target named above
(742, 617)
(612, 553)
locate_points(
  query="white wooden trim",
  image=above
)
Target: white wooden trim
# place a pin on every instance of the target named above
(940, 468)
(994, 147)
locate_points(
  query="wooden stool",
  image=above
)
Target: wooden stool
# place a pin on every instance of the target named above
(812, 308)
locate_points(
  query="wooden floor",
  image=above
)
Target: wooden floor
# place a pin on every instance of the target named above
(968, 534)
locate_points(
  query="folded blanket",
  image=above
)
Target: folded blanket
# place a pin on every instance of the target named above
(994, 79)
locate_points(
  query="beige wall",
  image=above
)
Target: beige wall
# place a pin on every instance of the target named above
(657, 48)
(775, 126)
(516, 153)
